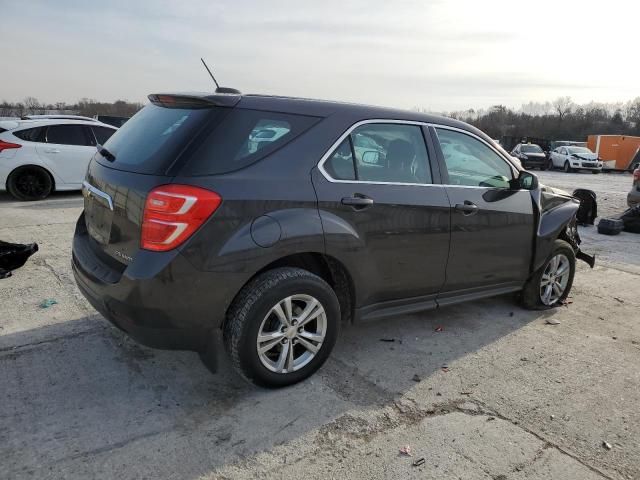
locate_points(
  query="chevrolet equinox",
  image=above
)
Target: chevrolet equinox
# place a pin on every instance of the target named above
(200, 229)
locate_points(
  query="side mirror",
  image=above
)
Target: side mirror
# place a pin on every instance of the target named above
(371, 157)
(526, 181)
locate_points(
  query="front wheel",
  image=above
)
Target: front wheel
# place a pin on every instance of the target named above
(282, 327)
(550, 165)
(567, 167)
(551, 284)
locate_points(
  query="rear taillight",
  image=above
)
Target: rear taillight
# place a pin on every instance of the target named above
(7, 145)
(173, 212)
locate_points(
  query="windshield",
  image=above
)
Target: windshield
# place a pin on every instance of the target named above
(579, 150)
(531, 149)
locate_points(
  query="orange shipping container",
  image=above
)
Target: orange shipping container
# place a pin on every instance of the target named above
(616, 151)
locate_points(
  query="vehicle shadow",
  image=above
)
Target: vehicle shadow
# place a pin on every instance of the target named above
(57, 197)
(86, 401)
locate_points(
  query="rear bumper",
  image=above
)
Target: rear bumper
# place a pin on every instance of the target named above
(159, 299)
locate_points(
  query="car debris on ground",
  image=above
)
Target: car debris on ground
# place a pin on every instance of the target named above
(14, 256)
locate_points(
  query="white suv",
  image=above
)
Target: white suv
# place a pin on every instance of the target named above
(39, 156)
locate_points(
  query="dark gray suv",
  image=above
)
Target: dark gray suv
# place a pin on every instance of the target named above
(193, 234)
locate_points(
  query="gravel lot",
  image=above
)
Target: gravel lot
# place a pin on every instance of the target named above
(498, 394)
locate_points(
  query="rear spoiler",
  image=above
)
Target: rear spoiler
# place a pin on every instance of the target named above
(187, 100)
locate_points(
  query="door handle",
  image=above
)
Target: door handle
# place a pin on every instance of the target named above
(52, 150)
(358, 202)
(467, 208)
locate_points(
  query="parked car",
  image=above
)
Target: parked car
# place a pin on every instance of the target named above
(575, 158)
(565, 143)
(633, 197)
(530, 155)
(40, 156)
(188, 241)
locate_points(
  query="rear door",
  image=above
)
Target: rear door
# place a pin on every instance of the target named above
(384, 213)
(68, 149)
(492, 224)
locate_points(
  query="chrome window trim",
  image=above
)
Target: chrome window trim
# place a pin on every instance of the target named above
(342, 137)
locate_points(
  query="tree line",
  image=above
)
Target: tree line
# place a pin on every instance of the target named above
(85, 106)
(561, 119)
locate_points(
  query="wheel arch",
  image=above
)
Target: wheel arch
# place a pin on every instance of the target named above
(330, 269)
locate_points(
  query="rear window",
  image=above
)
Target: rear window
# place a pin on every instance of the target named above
(243, 137)
(154, 137)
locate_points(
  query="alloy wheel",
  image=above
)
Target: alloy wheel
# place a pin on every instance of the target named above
(555, 279)
(292, 333)
(31, 183)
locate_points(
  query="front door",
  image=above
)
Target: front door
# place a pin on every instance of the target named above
(492, 224)
(384, 214)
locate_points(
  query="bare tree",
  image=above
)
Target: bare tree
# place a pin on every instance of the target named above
(563, 106)
(32, 105)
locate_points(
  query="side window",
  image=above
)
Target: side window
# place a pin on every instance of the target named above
(102, 134)
(389, 152)
(30, 134)
(67, 135)
(381, 152)
(472, 163)
(340, 165)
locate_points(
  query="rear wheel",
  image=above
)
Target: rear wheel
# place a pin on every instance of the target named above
(567, 167)
(282, 327)
(30, 183)
(551, 284)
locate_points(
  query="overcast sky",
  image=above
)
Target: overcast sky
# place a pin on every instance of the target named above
(441, 55)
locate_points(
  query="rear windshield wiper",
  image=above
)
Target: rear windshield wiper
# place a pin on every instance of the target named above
(105, 153)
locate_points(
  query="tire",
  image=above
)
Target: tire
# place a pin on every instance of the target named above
(595, 171)
(550, 165)
(533, 293)
(610, 226)
(254, 311)
(30, 183)
(567, 167)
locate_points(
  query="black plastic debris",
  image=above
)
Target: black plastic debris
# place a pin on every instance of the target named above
(14, 255)
(631, 219)
(610, 226)
(588, 209)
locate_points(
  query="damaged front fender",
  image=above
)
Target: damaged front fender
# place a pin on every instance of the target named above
(556, 219)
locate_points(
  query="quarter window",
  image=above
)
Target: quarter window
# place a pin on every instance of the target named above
(471, 163)
(380, 152)
(67, 135)
(30, 134)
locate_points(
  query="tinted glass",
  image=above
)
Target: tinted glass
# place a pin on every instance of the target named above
(531, 149)
(471, 162)
(67, 135)
(579, 150)
(237, 140)
(30, 134)
(153, 138)
(102, 134)
(340, 165)
(391, 153)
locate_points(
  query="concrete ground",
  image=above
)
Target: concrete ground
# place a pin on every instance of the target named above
(497, 394)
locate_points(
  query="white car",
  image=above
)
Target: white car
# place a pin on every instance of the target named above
(40, 156)
(575, 158)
